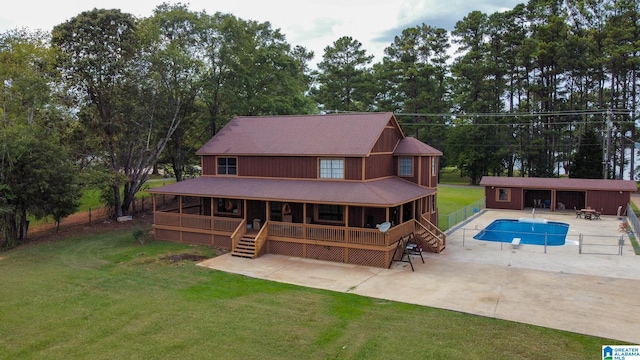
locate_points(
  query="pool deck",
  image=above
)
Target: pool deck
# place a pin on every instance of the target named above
(596, 293)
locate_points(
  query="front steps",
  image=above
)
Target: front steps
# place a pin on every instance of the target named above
(246, 247)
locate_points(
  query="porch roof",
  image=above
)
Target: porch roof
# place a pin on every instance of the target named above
(382, 192)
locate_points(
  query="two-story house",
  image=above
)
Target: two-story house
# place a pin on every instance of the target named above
(312, 186)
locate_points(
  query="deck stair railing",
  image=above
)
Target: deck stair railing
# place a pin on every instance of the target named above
(432, 238)
(238, 234)
(250, 244)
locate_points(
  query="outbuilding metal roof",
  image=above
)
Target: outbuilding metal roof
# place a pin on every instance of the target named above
(352, 134)
(559, 183)
(382, 192)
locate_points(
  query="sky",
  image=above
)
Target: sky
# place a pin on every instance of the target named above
(314, 24)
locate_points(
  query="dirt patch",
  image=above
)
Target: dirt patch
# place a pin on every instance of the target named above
(184, 257)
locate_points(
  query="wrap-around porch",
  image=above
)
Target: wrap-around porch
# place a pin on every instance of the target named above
(333, 232)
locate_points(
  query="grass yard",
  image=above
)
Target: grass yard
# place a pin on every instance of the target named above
(104, 296)
(452, 198)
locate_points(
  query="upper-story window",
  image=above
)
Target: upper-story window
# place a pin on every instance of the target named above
(434, 166)
(227, 166)
(405, 167)
(332, 168)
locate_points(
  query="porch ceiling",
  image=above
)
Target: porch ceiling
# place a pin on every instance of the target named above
(382, 192)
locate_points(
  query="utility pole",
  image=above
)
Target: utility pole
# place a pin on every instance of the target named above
(607, 144)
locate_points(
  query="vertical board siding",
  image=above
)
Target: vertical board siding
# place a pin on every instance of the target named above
(378, 166)
(387, 141)
(278, 166)
(208, 165)
(353, 169)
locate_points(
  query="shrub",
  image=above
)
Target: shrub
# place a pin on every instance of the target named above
(142, 234)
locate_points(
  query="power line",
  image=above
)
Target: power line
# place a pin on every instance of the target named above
(514, 115)
(530, 114)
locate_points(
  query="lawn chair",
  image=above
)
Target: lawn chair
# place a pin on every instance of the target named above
(578, 212)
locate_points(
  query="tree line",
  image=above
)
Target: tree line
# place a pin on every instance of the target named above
(105, 97)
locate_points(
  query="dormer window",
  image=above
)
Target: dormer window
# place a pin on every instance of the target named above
(227, 166)
(405, 166)
(332, 168)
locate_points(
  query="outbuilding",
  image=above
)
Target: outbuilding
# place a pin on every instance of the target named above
(557, 194)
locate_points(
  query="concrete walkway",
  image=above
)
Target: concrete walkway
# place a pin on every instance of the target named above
(596, 294)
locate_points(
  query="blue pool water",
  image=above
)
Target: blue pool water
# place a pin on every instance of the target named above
(530, 231)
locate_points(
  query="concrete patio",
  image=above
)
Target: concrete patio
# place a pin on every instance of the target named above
(595, 294)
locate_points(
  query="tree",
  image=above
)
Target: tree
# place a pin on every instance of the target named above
(478, 86)
(104, 62)
(343, 77)
(37, 176)
(587, 161)
(413, 79)
(251, 70)
(172, 38)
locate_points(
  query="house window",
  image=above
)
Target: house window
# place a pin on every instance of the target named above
(434, 166)
(227, 166)
(433, 204)
(504, 194)
(331, 168)
(228, 206)
(406, 167)
(333, 213)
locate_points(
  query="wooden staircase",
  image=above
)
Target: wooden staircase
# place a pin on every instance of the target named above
(246, 247)
(432, 241)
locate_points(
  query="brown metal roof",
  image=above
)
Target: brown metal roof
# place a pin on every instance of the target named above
(559, 183)
(352, 134)
(382, 192)
(413, 146)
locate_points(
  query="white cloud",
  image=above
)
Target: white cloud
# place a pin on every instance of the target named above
(314, 24)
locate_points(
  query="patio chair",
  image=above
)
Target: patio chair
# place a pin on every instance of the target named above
(578, 212)
(588, 216)
(596, 215)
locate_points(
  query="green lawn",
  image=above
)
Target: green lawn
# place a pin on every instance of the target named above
(452, 198)
(107, 297)
(91, 197)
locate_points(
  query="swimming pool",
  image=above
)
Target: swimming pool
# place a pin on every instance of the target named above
(530, 231)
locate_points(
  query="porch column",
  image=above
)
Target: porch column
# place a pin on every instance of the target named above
(346, 223)
(267, 217)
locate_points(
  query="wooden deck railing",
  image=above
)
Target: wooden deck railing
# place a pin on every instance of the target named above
(327, 233)
(238, 227)
(202, 222)
(396, 232)
(196, 222)
(239, 232)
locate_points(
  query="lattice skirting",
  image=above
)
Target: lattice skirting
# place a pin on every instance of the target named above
(222, 241)
(193, 238)
(196, 238)
(167, 235)
(374, 258)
